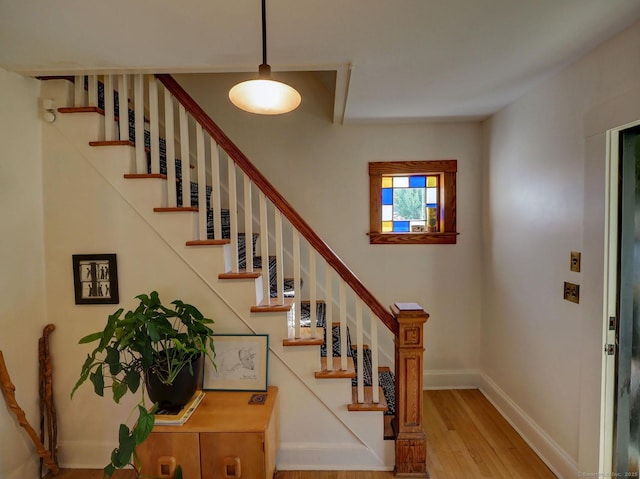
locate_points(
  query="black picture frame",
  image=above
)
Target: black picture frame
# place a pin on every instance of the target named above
(95, 278)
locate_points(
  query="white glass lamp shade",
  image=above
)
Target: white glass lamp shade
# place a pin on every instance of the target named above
(264, 96)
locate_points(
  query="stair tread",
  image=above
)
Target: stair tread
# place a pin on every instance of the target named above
(336, 372)
(241, 274)
(81, 109)
(175, 209)
(112, 143)
(271, 306)
(305, 338)
(141, 176)
(368, 404)
(208, 242)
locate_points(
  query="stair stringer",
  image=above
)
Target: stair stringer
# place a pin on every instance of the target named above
(334, 395)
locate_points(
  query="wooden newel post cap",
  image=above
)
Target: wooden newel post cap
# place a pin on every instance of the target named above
(408, 310)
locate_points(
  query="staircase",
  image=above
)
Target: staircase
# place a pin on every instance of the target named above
(304, 284)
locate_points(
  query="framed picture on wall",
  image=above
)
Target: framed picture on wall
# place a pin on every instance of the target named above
(241, 363)
(95, 278)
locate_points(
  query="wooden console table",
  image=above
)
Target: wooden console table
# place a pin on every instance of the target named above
(226, 437)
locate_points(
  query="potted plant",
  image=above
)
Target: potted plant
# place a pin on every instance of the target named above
(155, 346)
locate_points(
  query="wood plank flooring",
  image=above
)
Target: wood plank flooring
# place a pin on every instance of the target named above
(466, 438)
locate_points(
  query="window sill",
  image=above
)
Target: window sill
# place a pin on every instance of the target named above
(413, 238)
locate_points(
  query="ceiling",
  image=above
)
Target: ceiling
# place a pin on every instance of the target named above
(404, 60)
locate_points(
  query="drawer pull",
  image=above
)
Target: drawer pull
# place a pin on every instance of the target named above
(166, 467)
(232, 467)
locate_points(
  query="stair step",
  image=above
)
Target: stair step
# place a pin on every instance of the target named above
(81, 109)
(270, 307)
(368, 404)
(305, 338)
(209, 242)
(336, 372)
(175, 209)
(143, 176)
(242, 274)
(112, 143)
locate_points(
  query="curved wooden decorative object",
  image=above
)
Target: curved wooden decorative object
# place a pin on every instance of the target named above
(274, 196)
(47, 405)
(8, 389)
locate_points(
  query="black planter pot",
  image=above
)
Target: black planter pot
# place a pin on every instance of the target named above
(175, 396)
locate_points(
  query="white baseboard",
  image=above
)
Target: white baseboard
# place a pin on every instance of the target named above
(448, 379)
(337, 457)
(560, 463)
(291, 456)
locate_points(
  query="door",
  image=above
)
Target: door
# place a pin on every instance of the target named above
(626, 438)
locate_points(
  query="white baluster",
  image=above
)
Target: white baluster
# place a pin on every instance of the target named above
(185, 160)
(296, 281)
(123, 107)
(329, 315)
(313, 298)
(169, 134)
(138, 96)
(109, 115)
(78, 91)
(233, 215)
(343, 325)
(374, 357)
(279, 257)
(248, 224)
(215, 190)
(202, 183)
(360, 351)
(264, 249)
(154, 125)
(93, 90)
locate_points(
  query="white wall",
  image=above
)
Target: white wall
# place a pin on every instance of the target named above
(322, 170)
(544, 197)
(22, 292)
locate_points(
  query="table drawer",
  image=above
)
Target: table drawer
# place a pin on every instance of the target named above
(232, 455)
(163, 451)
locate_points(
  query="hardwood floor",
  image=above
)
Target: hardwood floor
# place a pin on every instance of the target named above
(466, 438)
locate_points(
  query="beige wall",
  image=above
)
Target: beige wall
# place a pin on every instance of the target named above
(22, 291)
(543, 198)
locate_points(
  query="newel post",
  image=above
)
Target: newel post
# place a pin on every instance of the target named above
(411, 440)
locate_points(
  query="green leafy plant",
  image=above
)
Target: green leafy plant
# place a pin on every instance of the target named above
(151, 338)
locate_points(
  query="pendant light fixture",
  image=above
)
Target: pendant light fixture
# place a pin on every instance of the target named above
(264, 96)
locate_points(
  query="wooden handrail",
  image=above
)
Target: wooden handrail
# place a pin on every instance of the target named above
(283, 205)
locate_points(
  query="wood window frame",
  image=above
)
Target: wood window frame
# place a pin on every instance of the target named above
(447, 170)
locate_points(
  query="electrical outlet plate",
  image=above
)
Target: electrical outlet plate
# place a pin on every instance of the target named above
(572, 292)
(575, 261)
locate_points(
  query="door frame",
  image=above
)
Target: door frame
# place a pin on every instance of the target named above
(608, 390)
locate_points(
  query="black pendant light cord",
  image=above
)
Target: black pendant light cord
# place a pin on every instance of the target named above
(264, 33)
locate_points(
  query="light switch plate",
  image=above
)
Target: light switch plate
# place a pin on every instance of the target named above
(575, 261)
(572, 292)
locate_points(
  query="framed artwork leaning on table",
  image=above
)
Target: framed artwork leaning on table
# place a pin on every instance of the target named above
(241, 363)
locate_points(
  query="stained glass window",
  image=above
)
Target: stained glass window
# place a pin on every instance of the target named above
(409, 203)
(413, 202)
